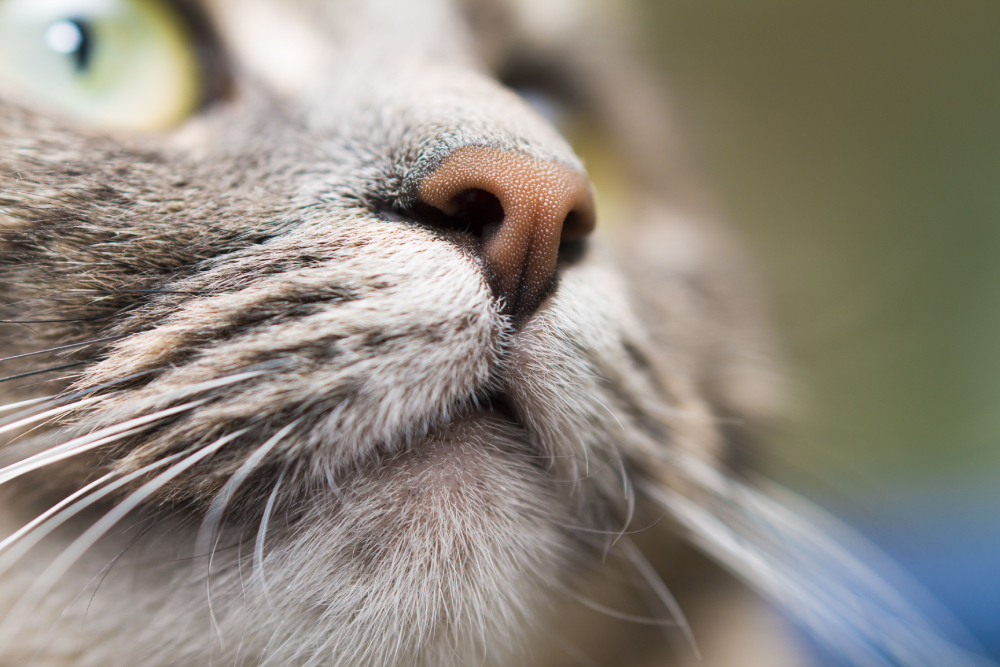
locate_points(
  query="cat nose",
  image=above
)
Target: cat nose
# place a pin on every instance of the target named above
(521, 208)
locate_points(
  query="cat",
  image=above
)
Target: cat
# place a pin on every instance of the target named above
(319, 350)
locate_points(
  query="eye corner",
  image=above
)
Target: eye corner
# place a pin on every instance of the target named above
(215, 69)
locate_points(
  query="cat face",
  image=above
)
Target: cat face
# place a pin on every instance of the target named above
(341, 393)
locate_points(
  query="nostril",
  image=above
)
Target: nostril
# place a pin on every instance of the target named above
(476, 212)
(523, 211)
(576, 226)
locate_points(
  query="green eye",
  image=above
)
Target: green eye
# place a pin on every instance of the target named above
(113, 63)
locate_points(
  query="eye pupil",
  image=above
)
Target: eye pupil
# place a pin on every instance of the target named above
(70, 37)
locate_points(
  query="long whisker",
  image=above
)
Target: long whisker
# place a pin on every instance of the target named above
(790, 557)
(208, 385)
(213, 517)
(614, 613)
(41, 518)
(99, 578)
(108, 292)
(74, 319)
(51, 369)
(95, 318)
(58, 568)
(24, 404)
(60, 348)
(60, 399)
(214, 514)
(90, 441)
(629, 500)
(258, 551)
(112, 383)
(103, 574)
(662, 592)
(12, 426)
(31, 534)
(112, 433)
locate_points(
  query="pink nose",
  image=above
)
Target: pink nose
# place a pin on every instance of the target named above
(543, 202)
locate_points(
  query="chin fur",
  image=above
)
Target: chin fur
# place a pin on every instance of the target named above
(432, 557)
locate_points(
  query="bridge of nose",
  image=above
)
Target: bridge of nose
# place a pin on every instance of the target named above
(544, 203)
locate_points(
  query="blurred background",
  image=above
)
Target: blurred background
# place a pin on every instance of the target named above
(855, 147)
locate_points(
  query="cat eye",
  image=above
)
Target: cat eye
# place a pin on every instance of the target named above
(123, 64)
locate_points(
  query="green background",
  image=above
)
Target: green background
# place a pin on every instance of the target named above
(855, 147)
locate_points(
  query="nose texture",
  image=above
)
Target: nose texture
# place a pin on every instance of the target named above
(543, 202)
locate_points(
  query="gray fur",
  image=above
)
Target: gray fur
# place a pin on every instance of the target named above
(355, 457)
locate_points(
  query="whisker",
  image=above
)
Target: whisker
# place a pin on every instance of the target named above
(41, 518)
(58, 568)
(796, 559)
(34, 532)
(112, 383)
(213, 517)
(86, 443)
(214, 514)
(58, 399)
(94, 318)
(629, 500)
(257, 571)
(614, 613)
(598, 531)
(654, 581)
(12, 426)
(143, 291)
(105, 571)
(103, 574)
(576, 479)
(73, 319)
(51, 369)
(213, 384)
(25, 404)
(116, 432)
(90, 441)
(71, 346)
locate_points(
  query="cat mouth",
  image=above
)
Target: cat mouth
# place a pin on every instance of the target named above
(491, 422)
